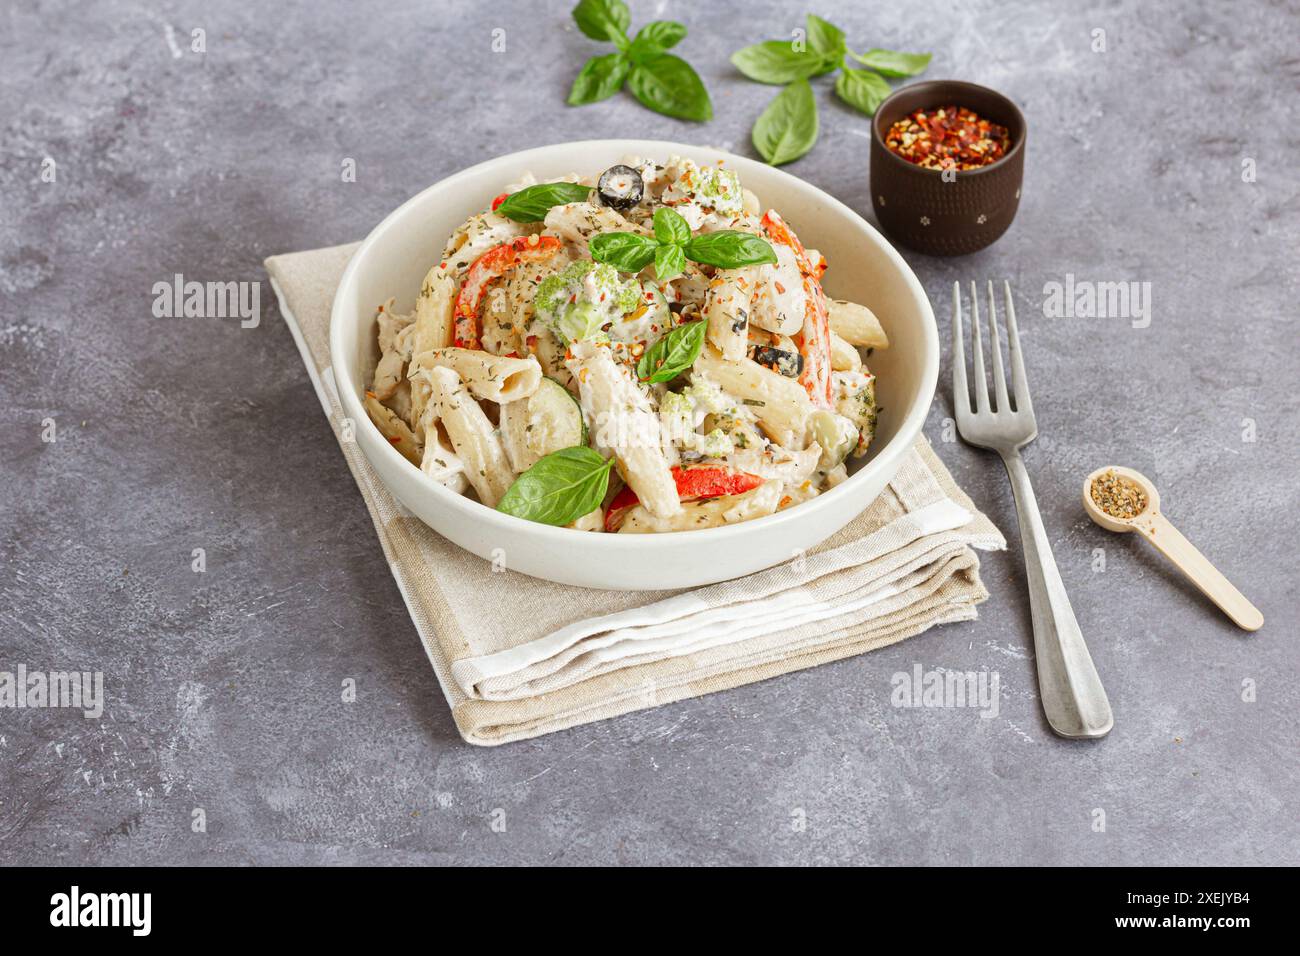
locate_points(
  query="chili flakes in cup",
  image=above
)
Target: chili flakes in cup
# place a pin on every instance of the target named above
(950, 137)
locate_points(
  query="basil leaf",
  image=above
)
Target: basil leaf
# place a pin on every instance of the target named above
(653, 38)
(670, 226)
(893, 63)
(788, 127)
(532, 203)
(601, 78)
(668, 84)
(560, 488)
(673, 354)
(776, 61)
(730, 249)
(670, 260)
(603, 19)
(626, 251)
(824, 37)
(862, 89)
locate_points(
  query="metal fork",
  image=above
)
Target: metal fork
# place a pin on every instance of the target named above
(1073, 698)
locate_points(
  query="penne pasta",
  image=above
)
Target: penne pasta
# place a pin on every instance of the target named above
(856, 324)
(496, 378)
(625, 424)
(779, 297)
(392, 427)
(472, 435)
(433, 311)
(726, 308)
(844, 357)
(395, 350)
(440, 461)
(577, 222)
(434, 323)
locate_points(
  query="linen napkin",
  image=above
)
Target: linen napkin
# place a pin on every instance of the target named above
(517, 656)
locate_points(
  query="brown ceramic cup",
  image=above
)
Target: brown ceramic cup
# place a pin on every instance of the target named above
(921, 210)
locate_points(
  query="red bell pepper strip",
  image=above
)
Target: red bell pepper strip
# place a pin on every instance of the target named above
(819, 267)
(778, 231)
(619, 507)
(815, 338)
(712, 481)
(694, 481)
(489, 266)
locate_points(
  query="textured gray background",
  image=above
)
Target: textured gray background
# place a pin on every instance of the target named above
(224, 687)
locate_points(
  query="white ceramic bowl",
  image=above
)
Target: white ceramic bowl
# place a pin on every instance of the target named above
(863, 267)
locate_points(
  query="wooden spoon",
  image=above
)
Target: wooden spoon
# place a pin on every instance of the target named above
(1156, 528)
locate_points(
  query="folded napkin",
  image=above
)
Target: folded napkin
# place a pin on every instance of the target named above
(517, 657)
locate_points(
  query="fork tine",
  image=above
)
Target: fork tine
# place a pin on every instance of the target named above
(960, 390)
(981, 384)
(1019, 383)
(999, 375)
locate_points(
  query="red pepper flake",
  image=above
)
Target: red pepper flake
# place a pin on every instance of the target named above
(950, 137)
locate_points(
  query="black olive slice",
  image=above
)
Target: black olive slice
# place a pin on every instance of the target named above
(789, 364)
(620, 187)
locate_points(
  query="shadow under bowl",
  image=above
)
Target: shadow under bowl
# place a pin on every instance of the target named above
(916, 206)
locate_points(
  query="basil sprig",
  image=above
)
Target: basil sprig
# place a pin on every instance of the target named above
(787, 129)
(821, 50)
(560, 488)
(660, 80)
(673, 354)
(532, 203)
(672, 244)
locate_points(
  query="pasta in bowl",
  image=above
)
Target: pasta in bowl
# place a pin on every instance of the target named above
(629, 358)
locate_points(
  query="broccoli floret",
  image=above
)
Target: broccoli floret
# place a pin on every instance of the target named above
(577, 301)
(714, 188)
(709, 396)
(716, 444)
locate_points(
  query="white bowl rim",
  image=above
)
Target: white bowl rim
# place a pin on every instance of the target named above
(886, 457)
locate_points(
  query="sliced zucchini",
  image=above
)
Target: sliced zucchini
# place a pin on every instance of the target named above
(556, 410)
(546, 421)
(837, 434)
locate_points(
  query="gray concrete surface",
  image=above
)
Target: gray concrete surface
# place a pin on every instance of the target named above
(223, 688)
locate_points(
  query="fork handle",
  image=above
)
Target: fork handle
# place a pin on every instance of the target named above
(1073, 699)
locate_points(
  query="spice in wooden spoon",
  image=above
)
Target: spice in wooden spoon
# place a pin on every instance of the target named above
(1121, 499)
